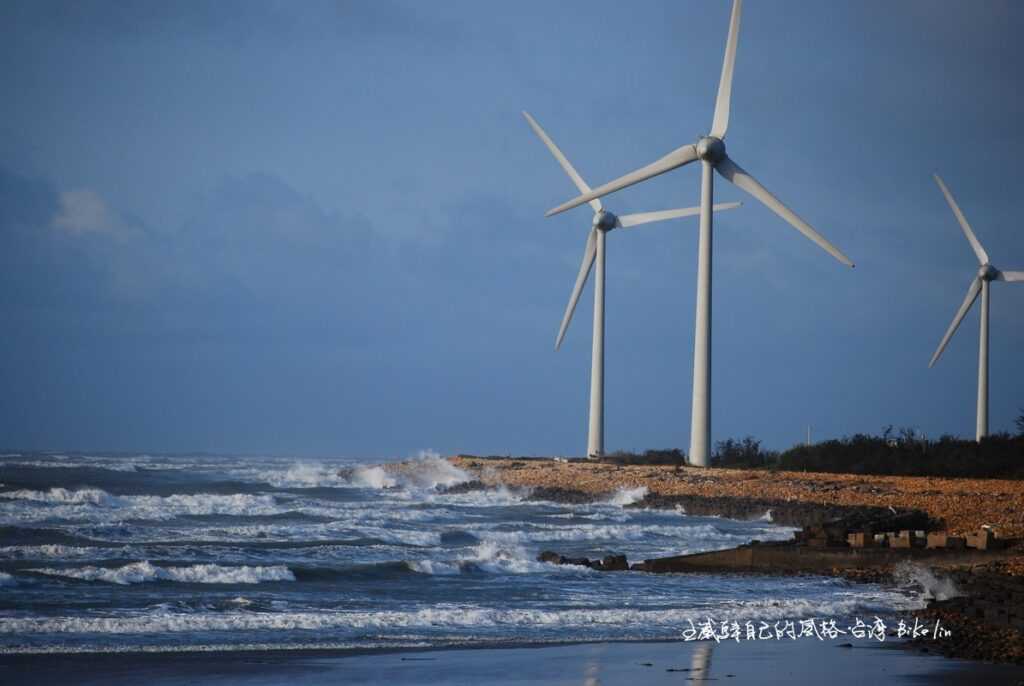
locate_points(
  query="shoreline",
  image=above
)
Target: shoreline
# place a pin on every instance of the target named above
(986, 614)
(607, 662)
(964, 504)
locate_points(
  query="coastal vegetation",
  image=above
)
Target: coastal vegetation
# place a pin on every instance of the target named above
(902, 452)
(995, 456)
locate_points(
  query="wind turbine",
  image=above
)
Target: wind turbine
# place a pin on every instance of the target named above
(986, 274)
(710, 150)
(602, 223)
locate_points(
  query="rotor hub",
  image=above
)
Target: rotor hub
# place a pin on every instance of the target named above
(605, 220)
(987, 272)
(711, 149)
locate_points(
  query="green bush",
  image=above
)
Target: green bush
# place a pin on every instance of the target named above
(745, 453)
(997, 456)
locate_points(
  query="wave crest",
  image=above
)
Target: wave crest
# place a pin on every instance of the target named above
(373, 477)
(145, 571)
(628, 496)
(63, 496)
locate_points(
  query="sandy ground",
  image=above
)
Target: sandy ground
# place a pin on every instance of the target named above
(964, 504)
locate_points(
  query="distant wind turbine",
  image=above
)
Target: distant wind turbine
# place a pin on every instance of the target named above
(602, 223)
(986, 273)
(710, 150)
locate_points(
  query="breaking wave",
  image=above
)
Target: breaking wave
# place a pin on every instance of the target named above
(144, 572)
(494, 558)
(98, 505)
(373, 477)
(305, 475)
(923, 579)
(85, 496)
(656, 622)
(628, 496)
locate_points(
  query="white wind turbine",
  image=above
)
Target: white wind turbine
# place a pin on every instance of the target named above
(602, 223)
(710, 150)
(986, 273)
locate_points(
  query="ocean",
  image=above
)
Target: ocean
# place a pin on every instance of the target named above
(143, 553)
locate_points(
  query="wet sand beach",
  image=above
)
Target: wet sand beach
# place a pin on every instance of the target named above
(653, 664)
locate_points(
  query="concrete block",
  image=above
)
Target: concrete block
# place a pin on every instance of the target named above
(900, 541)
(981, 539)
(860, 539)
(956, 542)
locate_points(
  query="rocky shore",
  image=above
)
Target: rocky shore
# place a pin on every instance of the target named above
(986, 611)
(963, 504)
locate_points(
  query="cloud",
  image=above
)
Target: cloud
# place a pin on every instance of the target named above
(84, 211)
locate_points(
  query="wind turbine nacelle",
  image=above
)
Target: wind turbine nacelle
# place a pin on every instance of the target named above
(605, 221)
(987, 272)
(711, 149)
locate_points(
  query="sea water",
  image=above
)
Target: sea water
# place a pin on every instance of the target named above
(142, 553)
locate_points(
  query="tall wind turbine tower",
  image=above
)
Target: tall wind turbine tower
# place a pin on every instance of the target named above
(594, 252)
(710, 150)
(980, 283)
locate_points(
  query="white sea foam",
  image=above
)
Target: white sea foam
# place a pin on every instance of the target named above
(304, 475)
(161, 507)
(143, 572)
(57, 551)
(84, 496)
(426, 471)
(684, 534)
(434, 567)
(501, 495)
(494, 557)
(628, 496)
(429, 470)
(373, 477)
(92, 504)
(661, 622)
(502, 558)
(921, 578)
(7, 579)
(99, 463)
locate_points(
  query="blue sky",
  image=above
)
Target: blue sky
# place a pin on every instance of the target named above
(318, 229)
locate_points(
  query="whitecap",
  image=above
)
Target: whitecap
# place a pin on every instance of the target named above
(628, 496)
(84, 496)
(430, 470)
(373, 477)
(661, 622)
(917, 577)
(145, 571)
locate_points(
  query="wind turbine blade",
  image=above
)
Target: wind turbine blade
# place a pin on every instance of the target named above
(720, 123)
(1011, 276)
(972, 295)
(737, 175)
(589, 253)
(676, 158)
(971, 238)
(648, 217)
(562, 160)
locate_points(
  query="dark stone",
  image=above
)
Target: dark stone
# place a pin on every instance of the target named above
(610, 563)
(464, 487)
(615, 563)
(579, 561)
